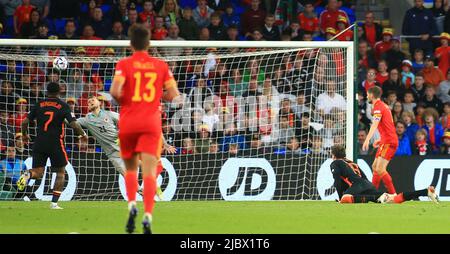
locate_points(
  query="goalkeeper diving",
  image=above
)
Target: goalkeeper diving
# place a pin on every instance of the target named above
(102, 124)
(353, 186)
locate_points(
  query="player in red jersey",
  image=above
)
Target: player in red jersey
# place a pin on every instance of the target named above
(387, 145)
(140, 81)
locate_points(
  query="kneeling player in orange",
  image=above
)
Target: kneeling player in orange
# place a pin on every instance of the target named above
(354, 187)
(140, 81)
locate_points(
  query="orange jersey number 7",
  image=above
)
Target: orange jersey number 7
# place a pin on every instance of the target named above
(149, 90)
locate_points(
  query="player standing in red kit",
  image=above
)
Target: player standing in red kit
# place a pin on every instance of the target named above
(387, 145)
(140, 81)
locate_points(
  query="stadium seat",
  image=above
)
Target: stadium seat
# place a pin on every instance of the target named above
(84, 8)
(58, 25)
(107, 84)
(19, 67)
(105, 8)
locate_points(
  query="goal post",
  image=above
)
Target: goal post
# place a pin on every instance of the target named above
(251, 97)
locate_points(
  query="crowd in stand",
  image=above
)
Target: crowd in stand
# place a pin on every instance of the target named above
(416, 84)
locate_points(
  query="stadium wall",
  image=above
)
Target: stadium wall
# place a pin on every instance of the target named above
(195, 177)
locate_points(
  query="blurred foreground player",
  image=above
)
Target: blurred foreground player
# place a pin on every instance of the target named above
(354, 187)
(140, 81)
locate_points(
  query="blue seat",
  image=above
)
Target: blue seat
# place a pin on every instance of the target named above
(107, 85)
(3, 68)
(84, 8)
(19, 67)
(106, 8)
(58, 25)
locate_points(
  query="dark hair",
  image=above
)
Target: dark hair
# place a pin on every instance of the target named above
(53, 88)
(338, 151)
(402, 123)
(375, 91)
(139, 37)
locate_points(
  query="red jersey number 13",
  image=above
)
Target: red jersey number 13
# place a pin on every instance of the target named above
(148, 93)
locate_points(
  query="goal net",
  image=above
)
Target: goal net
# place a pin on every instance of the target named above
(257, 122)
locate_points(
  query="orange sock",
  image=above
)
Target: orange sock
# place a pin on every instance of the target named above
(387, 180)
(131, 185)
(149, 193)
(399, 198)
(376, 180)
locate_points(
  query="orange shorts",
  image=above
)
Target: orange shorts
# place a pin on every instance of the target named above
(386, 151)
(132, 143)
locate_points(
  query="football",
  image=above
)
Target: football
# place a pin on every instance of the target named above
(60, 63)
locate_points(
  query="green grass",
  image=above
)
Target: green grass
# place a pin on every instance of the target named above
(229, 217)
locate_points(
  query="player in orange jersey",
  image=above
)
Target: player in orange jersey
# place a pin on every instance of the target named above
(140, 81)
(387, 145)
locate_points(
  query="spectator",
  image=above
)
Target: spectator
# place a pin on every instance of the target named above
(385, 44)
(407, 75)
(362, 134)
(366, 59)
(6, 127)
(89, 34)
(12, 168)
(419, 111)
(254, 71)
(293, 147)
(300, 107)
(342, 24)
(404, 146)
(433, 128)
(330, 101)
(210, 118)
(148, 15)
(198, 94)
(382, 74)
(72, 102)
(233, 149)
(117, 32)
(370, 81)
(256, 35)
(430, 99)
(418, 62)
(216, 30)
(372, 32)
(170, 12)
(391, 98)
(230, 17)
(30, 29)
(89, 14)
(204, 34)
(36, 93)
(76, 84)
(411, 126)
(213, 147)
(269, 31)
(308, 19)
(22, 15)
(69, 31)
(252, 89)
(188, 146)
(419, 21)
(173, 36)
(330, 32)
(233, 34)
(286, 131)
(421, 147)
(408, 101)
(235, 83)
(8, 97)
(9, 7)
(232, 137)
(393, 84)
(295, 32)
(394, 56)
(100, 24)
(445, 118)
(397, 110)
(445, 147)
(202, 141)
(443, 91)
(187, 25)
(20, 113)
(439, 13)
(317, 146)
(252, 18)
(22, 153)
(219, 5)
(159, 31)
(329, 17)
(132, 18)
(418, 88)
(442, 53)
(120, 11)
(202, 14)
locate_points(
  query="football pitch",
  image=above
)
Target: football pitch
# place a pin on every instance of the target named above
(221, 217)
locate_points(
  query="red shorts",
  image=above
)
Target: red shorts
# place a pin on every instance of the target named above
(131, 143)
(386, 151)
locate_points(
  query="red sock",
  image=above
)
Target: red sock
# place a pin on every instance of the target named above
(149, 193)
(376, 180)
(159, 169)
(399, 198)
(131, 184)
(387, 180)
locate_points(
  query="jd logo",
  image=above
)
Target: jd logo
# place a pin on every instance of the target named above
(46, 184)
(247, 179)
(325, 179)
(434, 172)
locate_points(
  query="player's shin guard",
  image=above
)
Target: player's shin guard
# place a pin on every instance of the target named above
(149, 193)
(376, 179)
(387, 180)
(131, 185)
